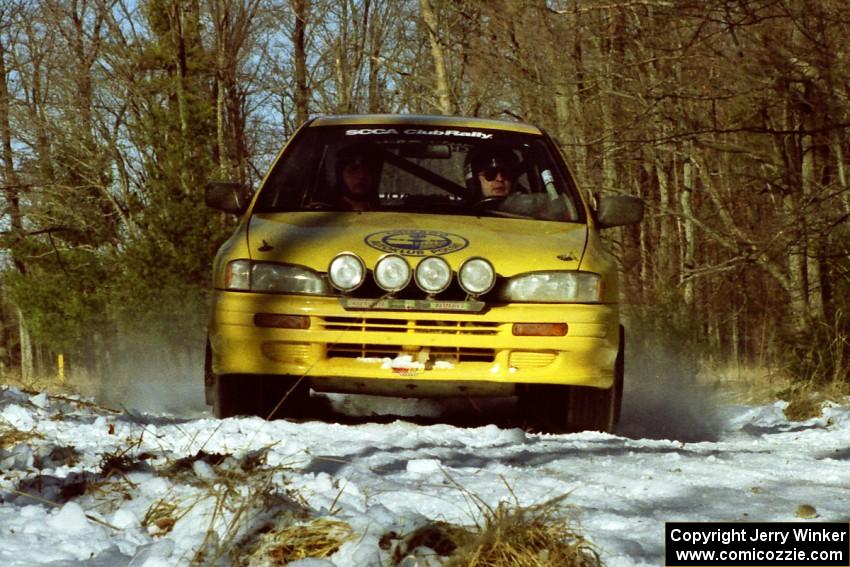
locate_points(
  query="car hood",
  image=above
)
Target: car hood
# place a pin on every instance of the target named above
(513, 245)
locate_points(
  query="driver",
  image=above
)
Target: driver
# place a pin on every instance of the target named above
(495, 170)
(358, 173)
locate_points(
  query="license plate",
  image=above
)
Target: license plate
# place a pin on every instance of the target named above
(390, 304)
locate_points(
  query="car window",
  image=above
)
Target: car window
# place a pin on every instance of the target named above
(418, 170)
(294, 171)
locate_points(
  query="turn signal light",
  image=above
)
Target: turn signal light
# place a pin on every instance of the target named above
(540, 329)
(281, 321)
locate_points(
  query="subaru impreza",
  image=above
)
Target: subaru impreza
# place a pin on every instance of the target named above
(418, 256)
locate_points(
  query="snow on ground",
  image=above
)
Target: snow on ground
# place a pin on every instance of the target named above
(82, 485)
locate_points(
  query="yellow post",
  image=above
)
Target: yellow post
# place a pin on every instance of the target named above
(61, 364)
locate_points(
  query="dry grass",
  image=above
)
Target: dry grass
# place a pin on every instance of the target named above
(509, 535)
(806, 401)
(75, 390)
(243, 494)
(50, 383)
(161, 516)
(444, 538)
(534, 536)
(760, 385)
(12, 437)
(739, 384)
(802, 406)
(316, 539)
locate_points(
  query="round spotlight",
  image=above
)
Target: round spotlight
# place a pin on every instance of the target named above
(392, 272)
(347, 271)
(477, 276)
(433, 274)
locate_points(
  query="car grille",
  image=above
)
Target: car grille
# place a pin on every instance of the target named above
(408, 326)
(452, 354)
(370, 290)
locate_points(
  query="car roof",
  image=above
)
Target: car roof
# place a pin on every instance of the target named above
(425, 120)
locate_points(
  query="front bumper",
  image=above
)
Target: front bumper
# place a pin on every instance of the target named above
(413, 353)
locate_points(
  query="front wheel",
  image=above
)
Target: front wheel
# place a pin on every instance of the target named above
(284, 397)
(235, 394)
(594, 409)
(557, 409)
(269, 397)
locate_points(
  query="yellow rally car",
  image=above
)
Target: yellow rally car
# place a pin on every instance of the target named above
(418, 256)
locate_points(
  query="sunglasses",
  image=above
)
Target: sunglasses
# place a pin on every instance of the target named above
(491, 173)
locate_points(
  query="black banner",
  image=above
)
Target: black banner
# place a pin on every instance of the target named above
(757, 544)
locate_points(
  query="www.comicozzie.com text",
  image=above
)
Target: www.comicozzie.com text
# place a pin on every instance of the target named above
(755, 534)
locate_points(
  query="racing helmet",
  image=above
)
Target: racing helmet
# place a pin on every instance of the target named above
(490, 159)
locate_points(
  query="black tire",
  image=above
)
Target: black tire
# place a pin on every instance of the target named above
(235, 394)
(595, 409)
(284, 397)
(591, 409)
(544, 407)
(557, 409)
(269, 397)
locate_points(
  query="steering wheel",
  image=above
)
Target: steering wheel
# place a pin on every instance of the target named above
(320, 206)
(488, 202)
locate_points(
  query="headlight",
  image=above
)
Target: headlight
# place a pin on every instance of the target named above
(392, 272)
(347, 271)
(433, 275)
(554, 287)
(284, 278)
(246, 275)
(237, 275)
(477, 276)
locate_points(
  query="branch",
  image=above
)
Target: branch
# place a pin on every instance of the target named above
(48, 230)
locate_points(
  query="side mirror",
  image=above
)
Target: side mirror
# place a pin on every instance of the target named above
(619, 210)
(227, 196)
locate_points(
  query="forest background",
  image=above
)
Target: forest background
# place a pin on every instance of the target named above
(729, 117)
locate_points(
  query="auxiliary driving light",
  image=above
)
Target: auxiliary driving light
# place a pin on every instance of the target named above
(392, 272)
(433, 274)
(347, 271)
(477, 276)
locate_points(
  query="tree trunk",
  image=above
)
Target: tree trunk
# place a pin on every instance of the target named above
(375, 91)
(444, 103)
(568, 100)
(302, 95)
(11, 185)
(221, 16)
(181, 74)
(841, 168)
(11, 193)
(797, 273)
(26, 349)
(342, 66)
(689, 245)
(814, 290)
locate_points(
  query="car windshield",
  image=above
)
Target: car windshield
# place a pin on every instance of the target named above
(457, 171)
